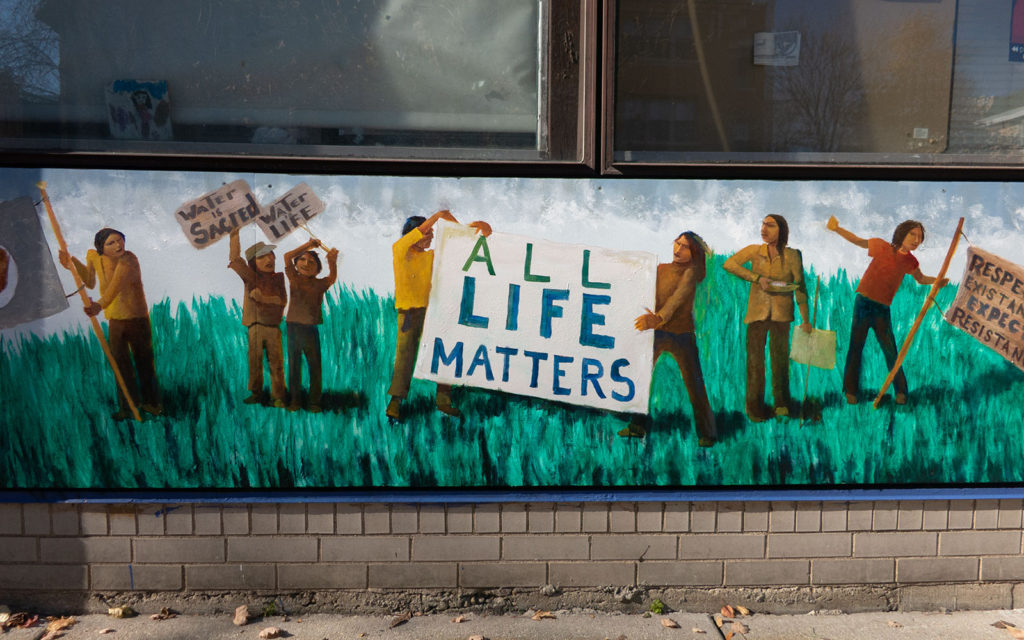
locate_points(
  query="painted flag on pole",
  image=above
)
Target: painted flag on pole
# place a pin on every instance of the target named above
(29, 286)
(990, 304)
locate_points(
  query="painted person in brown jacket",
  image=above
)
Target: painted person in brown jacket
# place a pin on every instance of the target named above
(123, 302)
(262, 310)
(776, 272)
(672, 321)
(305, 315)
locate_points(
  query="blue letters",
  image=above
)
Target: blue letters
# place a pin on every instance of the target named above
(537, 357)
(455, 356)
(512, 315)
(556, 388)
(589, 318)
(617, 377)
(548, 310)
(466, 316)
(480, 358)
(505, 351)
(592, 377)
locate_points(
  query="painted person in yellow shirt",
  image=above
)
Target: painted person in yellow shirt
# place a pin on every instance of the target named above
(776, 272)
(123, 302)
(413, 262)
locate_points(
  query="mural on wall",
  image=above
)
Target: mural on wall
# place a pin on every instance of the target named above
(507, 333)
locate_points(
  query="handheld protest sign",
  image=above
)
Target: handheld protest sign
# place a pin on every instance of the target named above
(817, 349)
(290, 212)
(538, 318)
(215, 215)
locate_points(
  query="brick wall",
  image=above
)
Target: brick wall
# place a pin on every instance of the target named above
(961, 553)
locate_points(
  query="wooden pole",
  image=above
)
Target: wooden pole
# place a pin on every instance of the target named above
(807, 373)
(920, 316)
(86, 301)
(312, 235)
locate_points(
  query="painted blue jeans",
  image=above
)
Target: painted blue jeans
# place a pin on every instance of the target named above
(867, 315)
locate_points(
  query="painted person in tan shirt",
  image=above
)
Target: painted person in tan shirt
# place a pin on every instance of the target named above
(413, 262)
(776, 272)
(262, 310)
(123, 302)
(672, 321)
(305, 315)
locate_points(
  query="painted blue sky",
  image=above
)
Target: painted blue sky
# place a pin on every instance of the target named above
(364, 215)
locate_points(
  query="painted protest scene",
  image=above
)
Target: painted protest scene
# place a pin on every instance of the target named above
(164, 330)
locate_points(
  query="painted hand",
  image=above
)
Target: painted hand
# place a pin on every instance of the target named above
(93, 309)
(806, 327)
(649, 320)
(482, 227)
(832, 223)
(65, 259)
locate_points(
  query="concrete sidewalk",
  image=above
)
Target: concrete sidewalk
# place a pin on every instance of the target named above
(564, 625)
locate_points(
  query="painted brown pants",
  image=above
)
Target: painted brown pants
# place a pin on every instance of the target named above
(410, 328)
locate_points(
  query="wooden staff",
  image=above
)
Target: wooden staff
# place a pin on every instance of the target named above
(86, 302)
(312, 235)
(807, 374)
(920, 316)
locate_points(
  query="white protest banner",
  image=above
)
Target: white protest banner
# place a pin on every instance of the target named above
(990, 304)
(214, 215)
(290, 212)
(539, 318)
(29, 286)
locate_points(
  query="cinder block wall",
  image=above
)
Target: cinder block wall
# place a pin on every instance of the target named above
(781, 556)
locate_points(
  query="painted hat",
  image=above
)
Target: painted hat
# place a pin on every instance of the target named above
(259, 249)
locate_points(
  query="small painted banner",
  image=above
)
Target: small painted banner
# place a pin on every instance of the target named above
(290, 212)
(538, 318)
(990, 304)
(214, 215)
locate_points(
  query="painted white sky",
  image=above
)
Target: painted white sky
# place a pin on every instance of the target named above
(364, 216)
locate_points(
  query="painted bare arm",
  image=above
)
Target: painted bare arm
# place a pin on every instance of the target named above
(833, 225)
(920, 278)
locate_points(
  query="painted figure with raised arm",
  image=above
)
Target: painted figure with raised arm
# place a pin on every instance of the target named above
(302, 324)
(413, 262)
(123, 302)
(776, 273)
(262, 309)
(673, 324)
(890, 261)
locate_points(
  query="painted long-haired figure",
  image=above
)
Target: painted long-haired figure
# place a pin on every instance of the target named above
(890, 261)
(775, 273)
(262, 310)
(305, 315)
(123, 302)
(673, 324)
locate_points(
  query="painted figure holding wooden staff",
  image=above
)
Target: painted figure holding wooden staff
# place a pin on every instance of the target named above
(890, 261)
(123, 301)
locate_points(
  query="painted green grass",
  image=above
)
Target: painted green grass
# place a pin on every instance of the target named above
(962, 426)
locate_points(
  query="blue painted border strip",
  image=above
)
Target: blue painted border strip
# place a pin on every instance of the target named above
(482, 496)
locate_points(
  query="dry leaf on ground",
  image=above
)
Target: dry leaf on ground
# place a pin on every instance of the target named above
(402, 619)
(1002, 624)
(728, 612)
(476, 637)
(543, 615)
(241, 615)
(718, 620)
(121, 612)
(739, 627)
(743, 611)
(271, 632)
(59, 624)
(165, 614)
(459, 619)
(729, 636)
(1015, 632)
(103, 632)
(697, 630)
(669, 623)
(895, 625)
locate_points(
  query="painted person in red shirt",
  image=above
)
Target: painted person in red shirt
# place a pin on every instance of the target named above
(890, 261)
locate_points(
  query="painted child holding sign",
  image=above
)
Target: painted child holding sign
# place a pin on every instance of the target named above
(301, 266)
(890, 261)
(262, 310)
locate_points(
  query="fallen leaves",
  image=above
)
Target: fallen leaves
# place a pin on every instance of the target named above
(743, 611)
(669, 623)
(20, 620)
(121, 612)
(104, 632)
(895, 625)
(241, 615)
(697, 630)
(728, 612)
(543, 615)
(402, 619)
(476, 637)
(459, 619)
(165, 614)
(739, 627)
(1015, 632)
(271, 632)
